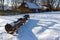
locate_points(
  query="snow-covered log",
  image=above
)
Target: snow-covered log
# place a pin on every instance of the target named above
(13, 27)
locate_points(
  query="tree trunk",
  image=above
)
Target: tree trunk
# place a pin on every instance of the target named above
(3, 5)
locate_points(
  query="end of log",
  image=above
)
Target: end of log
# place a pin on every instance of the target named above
(26, 16)
(8, 28)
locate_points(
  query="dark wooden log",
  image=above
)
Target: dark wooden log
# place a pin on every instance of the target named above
(17, 24)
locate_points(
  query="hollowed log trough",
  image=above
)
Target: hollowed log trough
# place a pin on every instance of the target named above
(13, 27)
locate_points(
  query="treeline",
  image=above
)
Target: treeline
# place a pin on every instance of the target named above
(52, 5)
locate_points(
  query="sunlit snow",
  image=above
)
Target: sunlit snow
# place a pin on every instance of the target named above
(40, 26)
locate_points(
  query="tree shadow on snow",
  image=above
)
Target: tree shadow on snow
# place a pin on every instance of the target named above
(44, 28)
(25, 32)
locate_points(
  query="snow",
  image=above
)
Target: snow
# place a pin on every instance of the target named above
(32, 5)
(7, 8)
(40, 26)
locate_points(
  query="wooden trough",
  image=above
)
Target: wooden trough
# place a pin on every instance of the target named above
(13, 27)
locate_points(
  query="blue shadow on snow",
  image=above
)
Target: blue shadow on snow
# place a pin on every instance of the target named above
(25, 32)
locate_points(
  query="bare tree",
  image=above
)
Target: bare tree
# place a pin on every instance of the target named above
(58, 4)
(15, 2)
(50, 3)
(2, 4)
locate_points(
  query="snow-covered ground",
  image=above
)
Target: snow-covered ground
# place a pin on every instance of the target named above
(40, 26)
